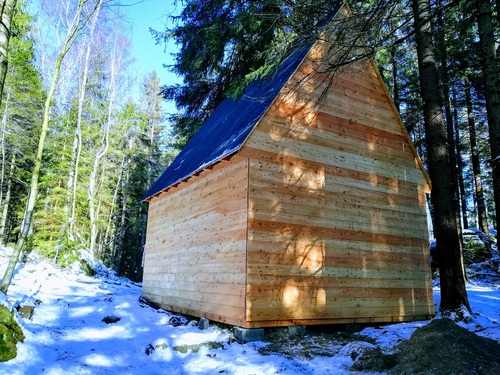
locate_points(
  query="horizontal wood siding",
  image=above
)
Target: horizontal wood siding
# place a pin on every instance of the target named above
(195, 257)
(337, 218)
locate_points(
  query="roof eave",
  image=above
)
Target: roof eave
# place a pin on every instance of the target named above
(202, 168)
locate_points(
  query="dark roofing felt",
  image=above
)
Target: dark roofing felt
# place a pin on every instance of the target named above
(228, 127)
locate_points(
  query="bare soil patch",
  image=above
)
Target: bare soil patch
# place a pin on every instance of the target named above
(441, 347)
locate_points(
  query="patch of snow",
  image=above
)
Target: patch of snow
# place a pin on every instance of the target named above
(350, 352)
(388, 336)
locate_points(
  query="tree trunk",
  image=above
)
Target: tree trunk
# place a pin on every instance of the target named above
(7, 12)
(92, 190)
(460, 163)
(450, 129)
(395, 82)
(115, 65)
(4, 126)
(492, 93)
(32, 195)
(498, 11)
(482, 216)
(99, 242)
(109, 227)
(6, 202)
(73, 181)
(121, 237)
(78, 132)
(33, 191)
(449, 247)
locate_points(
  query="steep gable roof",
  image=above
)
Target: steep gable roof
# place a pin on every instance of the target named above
(229, 125)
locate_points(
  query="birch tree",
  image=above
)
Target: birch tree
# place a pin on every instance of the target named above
(151, 97)
(115, 64)
(77, 142)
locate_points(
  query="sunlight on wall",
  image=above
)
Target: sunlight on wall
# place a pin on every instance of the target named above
(373, 179)
(313, 179)
(394, 184)
(278, 133)
(320, 297)
(402, 309)
(308, 254)
(291, 296)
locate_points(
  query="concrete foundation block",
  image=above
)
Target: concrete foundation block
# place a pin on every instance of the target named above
(296, 331)
(244, 335)
(203, 324)
(353, 327)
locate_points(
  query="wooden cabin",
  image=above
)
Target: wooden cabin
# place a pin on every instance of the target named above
(287, 209)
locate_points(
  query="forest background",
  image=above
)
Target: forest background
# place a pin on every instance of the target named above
(107, 139)
(104, 147)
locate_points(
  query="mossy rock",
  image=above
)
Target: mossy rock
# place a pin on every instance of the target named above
(10, 334)
(87, 268)
(475, 252)
(194, 348)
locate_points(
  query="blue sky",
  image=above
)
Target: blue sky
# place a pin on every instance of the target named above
(141, 15)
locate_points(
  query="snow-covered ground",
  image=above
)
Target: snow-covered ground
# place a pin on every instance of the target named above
(66, 334)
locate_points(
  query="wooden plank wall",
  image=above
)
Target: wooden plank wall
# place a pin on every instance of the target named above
(195, 252)
(337, 219)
